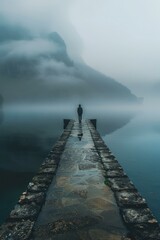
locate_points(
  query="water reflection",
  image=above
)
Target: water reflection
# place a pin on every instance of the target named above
(136, 146)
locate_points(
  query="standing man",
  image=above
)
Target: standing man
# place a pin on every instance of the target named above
(80, 112)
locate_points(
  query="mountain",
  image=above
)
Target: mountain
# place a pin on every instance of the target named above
(39, 69)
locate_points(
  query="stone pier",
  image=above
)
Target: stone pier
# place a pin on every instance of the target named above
(82, 193)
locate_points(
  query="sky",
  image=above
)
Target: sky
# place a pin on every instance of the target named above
(119, 38)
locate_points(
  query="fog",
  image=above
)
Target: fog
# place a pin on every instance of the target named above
(42, 16)
(121, 39)
(117, 38)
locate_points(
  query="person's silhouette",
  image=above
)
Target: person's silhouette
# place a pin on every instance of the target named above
(80, 112)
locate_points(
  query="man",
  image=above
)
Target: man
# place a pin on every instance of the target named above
(80, 112)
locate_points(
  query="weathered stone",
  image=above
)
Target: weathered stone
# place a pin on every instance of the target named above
(112, 166)
(100, 234)
(99, 203)
(42, 178)
(86, 166)
(28, 198)
(50, 162)
(53, 158)
(58, 148)
(103, 147)
(37, 187)
(136, 216)
(145, 231)
(49, 170)
(127, 198)
(94, 159)
(63, 226)
(116, 173)
(16, 230)
(57, 153)
(81, 192)
(26, 211)
(118, 184)
(108, 160)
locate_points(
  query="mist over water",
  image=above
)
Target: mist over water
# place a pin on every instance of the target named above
(136, 146)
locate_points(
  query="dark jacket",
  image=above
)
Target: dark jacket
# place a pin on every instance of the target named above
(80, 111)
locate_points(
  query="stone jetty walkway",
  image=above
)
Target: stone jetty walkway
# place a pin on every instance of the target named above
(80, 193)
(79, 205)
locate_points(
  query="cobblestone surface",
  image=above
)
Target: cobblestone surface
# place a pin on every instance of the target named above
(79, 205)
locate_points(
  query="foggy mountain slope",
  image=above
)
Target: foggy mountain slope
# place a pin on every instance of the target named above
(39, 69)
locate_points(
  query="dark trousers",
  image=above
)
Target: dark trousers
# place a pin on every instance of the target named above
(79, 118)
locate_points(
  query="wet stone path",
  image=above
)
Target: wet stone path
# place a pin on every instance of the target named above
(79, 205)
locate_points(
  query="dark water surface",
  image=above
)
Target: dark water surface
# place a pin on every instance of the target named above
(26, 137)
(137, 148)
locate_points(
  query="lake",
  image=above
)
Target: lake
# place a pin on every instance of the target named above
(137, 148)
(27, 135)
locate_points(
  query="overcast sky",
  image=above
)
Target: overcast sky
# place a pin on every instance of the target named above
(120, 38)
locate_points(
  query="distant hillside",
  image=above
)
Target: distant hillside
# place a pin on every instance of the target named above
(39, 69)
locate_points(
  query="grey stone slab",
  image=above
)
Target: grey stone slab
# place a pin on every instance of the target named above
(50, 161)
(112, 166)
(48, 170)
(37, 187)
(48, 165)
(87, 166)
(118, 184)
(28, 198)
(26, 211)
(16, 230)
(42, 179)
(108, 160)
(127, 198)
(104, 153)
(138, 215)
(116, 173)
(149, 231)
(64, 226)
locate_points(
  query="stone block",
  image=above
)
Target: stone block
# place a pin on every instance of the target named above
(112, 166)
(116, 173)
(26, 211)
(16, 230)
(37, 187)
(48, 170)
(42, 178)
(104, 153)
(127, 198)
(147, 231)
(87, 166)
(119, 184)
(138, 215)
(28, 198)
(108, 160)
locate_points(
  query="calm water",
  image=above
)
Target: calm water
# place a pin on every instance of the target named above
(137, 147)
(28, 135)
